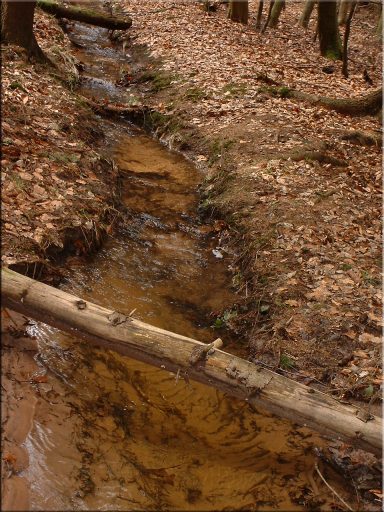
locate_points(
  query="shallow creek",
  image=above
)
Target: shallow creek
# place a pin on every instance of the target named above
(111, 433)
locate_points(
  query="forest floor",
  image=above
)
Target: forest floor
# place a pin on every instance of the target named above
(301, 237)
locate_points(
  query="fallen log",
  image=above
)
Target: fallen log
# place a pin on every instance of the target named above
(84, 15)
(191, 359)
(110, 109)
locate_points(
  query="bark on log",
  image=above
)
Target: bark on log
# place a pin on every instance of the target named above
(370, 104)
(172, 352)
(84, 15)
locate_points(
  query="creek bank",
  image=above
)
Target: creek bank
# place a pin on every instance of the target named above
(60, 196)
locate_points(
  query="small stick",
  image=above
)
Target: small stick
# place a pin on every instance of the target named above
(332, 489)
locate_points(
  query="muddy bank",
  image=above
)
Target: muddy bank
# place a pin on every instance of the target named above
(58, 203)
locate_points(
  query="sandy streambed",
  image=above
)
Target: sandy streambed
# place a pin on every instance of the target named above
(19, 390)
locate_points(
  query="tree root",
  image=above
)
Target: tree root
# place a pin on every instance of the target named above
(363, 138)
(318, 156)
(316, 152)
(370, 104)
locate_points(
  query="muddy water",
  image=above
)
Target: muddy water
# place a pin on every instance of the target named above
(111, 433)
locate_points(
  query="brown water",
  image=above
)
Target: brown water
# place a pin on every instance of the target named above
(111, 433)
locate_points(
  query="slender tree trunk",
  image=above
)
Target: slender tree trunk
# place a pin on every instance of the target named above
(346, 37)
(271, 3)
(238, 11)
(278, 6)
(17, 26)
(259, 13)
(329, 37)
(344, 8)
(306, 14)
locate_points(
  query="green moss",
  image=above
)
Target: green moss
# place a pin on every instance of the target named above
(163, 123)
(159, 80)
(284, 92)
(64, 158)
(16, 85)
(218, 147)
(194, 94)
(333, 54)
(235, 90)
(286, 362)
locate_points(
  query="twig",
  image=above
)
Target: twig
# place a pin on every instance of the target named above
(332, 489)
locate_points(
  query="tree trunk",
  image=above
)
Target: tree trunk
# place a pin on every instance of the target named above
(306, 14)
(346, 38)
(84, 15)
(238, 11)
(344, 8)
(329, 37)
(271, 4)
(275, 13)
(259, 13)
(17, 26)
(191, 359)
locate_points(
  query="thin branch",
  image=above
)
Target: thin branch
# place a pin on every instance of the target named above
(332, 489)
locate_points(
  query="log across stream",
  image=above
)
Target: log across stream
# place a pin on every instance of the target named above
(112, 433)
(188, 358)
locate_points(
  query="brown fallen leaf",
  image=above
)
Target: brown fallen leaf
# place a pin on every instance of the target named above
(39, 379)
(292, 302)
(369, 338)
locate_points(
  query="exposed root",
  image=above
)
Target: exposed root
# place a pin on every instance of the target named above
(371, 104)
(363, 138)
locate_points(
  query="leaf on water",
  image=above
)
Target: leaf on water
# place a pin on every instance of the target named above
(217, 254)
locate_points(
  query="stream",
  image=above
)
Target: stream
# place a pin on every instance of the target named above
(111, 433)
